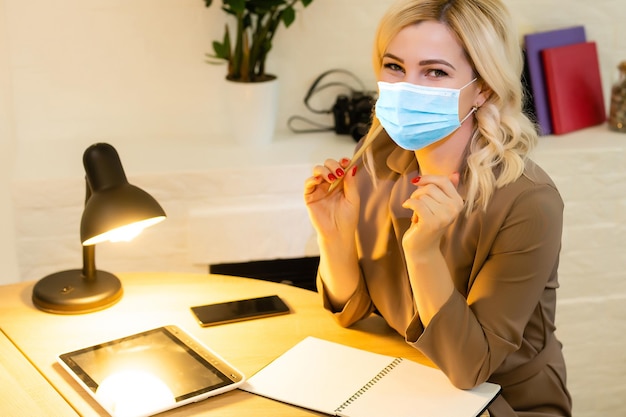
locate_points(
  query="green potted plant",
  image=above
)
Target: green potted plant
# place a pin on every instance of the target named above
(256, 24)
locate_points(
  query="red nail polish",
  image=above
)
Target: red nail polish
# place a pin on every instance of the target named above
(344, 161)
(416, 180)
(354, 171)
(331, 177)
(339, 172)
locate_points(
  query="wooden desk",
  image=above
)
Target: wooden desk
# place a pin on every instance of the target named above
(24, 391)
(156, 299)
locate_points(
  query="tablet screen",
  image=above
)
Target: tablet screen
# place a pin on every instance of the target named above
(150, 371)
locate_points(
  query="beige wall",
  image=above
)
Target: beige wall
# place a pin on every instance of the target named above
(77, 71)
(8, 139)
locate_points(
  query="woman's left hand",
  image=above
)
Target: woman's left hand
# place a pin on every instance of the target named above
(436, 204)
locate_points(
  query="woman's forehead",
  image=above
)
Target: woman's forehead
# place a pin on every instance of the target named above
(426, 40)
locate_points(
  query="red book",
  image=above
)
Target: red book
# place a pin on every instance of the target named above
(572, 76)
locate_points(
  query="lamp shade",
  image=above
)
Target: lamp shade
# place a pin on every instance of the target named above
(115, 210)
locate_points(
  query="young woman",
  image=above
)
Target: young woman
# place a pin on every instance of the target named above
(441, 223)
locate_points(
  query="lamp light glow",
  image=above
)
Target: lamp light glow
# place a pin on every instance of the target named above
(124, 233)
(134, 392)
(114, 211)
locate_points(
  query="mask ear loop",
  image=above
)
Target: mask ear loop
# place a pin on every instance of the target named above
(475, 78)
(474, 109)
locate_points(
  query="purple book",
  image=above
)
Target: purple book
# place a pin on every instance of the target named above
(534, 43)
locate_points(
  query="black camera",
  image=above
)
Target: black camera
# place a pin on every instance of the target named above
(352, 112)
(353, 115)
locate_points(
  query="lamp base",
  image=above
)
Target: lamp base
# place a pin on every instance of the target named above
(69, 292)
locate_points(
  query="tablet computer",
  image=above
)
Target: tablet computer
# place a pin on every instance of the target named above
(150, 372)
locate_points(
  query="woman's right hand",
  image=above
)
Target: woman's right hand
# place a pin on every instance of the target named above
(333, 214)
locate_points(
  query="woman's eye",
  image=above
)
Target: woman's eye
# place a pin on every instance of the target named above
(437, 73)
(393, 66)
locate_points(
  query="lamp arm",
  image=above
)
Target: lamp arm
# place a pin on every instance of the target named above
(89, 262)
(89, 252)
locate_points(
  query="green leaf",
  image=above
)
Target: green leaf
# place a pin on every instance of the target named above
(238, 6)
(220, 50)
(288, 16)
(306, 2)
(208, 2)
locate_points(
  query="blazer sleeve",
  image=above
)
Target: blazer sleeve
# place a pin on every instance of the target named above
(472, 335)
(358, 307)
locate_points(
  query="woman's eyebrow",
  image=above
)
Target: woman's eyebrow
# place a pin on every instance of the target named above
(423, 62)
(392, 56)
(437, 61)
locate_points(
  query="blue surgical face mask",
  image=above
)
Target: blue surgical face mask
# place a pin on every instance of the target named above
(416, 116)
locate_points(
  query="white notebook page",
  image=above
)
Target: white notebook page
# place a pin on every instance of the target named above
(316, 374)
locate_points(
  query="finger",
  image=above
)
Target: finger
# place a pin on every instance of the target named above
(335, 168)
(331, 170)
(439, 180)
(421, 206)
(447, 184)
(455, 178)
(434, 208)
(350, 170)
(349, 185)
(324, 172)
(433, 192)
(311, 183)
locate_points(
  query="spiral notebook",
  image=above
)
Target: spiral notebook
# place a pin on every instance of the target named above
(344, 381)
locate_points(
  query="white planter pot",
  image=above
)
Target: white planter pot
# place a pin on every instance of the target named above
(252, 110)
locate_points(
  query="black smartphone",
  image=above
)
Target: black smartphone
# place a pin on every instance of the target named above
(239, 310)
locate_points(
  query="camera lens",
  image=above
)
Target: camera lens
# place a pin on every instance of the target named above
(359, 130)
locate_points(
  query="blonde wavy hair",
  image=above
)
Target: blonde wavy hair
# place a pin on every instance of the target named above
(503, 135)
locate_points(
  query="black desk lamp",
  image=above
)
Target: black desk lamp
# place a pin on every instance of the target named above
(114, 210)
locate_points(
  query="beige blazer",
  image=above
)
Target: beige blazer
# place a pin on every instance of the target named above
(499, 324)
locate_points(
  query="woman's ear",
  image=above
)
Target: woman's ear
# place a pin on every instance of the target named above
(483, 95)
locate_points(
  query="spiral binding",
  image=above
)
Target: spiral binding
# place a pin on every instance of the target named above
(387, 369)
